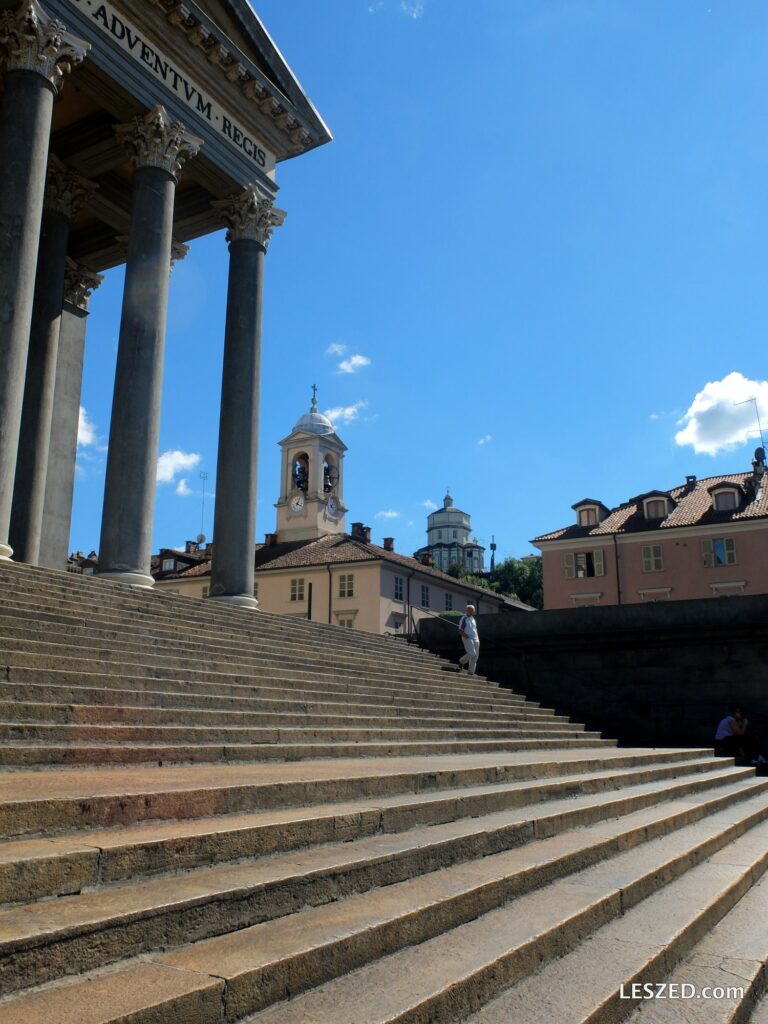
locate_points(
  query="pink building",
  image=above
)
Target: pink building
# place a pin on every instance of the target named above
(706, 538)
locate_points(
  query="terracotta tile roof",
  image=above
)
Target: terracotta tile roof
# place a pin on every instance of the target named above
(693, 505)
(333, 549)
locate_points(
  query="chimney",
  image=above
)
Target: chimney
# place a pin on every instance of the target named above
(389, 543)
(426, 558)
(690, 481)
(360, 532)
(270, 539)
(367, 534)
(190, 547)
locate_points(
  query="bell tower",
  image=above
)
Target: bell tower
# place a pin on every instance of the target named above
(311, 501)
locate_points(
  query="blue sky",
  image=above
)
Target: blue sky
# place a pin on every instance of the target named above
(542, 225)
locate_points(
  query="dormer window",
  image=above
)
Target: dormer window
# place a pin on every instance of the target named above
(588, 516)
(169, 564)
(725, 500)
(655, 508)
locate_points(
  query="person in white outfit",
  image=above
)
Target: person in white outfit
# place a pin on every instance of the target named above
(470, 639)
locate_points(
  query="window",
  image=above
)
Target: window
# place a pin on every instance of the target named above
(454, 535)
(587, 517)
(256, 588)
(439, 534)
(719, 551)
(297, 590)
(88, 571)
(449, 602)
(168, 564)
(725, 501)
(205, 591)
(652, 559)
(347, 585)
(347, 621)
(581, 564)
(398, 588)
(424, 596)
(656, 508)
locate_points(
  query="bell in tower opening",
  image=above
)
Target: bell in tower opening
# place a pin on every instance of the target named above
(301, 471)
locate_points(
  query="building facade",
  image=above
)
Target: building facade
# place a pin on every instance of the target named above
(450, 541)
(706, 538)
(169, 123)
(311, 567)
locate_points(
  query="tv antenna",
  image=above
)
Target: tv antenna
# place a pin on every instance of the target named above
(203, 477)
(753, 400)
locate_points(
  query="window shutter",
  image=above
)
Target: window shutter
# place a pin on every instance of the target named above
(597, 557)
(708, 553)
(730, 551)
(570, 565)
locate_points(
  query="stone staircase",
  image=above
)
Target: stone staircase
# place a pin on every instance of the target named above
(214, 815)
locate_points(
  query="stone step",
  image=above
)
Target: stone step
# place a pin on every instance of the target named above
(426, 948)
(448, 977)
(78, 732)
(645, 945)
(60, 630)
(116, 714)
(74, 753)
(276, 662)
(723, 977)
(227, 685)
(212, 702)
(89, 597)
(45, 940)
(45, 656)
(37, 867)
(58, 800)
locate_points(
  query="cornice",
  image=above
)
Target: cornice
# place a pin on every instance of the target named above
(236, 68)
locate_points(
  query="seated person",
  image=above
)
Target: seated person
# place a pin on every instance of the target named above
(733, 739)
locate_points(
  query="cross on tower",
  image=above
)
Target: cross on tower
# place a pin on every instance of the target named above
(314, 397)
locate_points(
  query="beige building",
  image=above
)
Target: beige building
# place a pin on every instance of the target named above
(311, 567)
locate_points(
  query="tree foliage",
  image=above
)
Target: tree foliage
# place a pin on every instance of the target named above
(520, 578)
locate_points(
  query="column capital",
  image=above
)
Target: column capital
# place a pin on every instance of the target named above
(79, 282)
(33, 41)
(65, 192)
(250, 215)
(178, 252)
(156, 141)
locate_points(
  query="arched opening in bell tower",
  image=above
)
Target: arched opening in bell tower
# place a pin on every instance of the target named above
(330, 473)
(300, 472)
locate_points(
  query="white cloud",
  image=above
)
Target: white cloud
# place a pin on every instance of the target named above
(171, 463)
(654, 416)
(428, 504)
(344, 413)
(717, 422)
(336, 349)
(414, 10)
(410, 523)
(354, 363)
(86, 429)
(485, 439)
(387, 514)
(182, 488)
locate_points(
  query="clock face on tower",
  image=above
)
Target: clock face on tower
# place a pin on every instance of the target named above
(297, 503)
(333, 508)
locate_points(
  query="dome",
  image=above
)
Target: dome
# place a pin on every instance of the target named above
(313, 422)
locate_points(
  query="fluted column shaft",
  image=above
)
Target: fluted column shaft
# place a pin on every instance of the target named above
(60, 478)
(65, 194)
(36, 52)
(158, 150)
(251, 219)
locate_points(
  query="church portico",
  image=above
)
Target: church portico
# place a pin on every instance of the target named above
(168, 124)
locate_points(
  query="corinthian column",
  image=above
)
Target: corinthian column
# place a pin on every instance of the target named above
(37, 53)
(60, 478)
(158, 149)
(251, 219)
(65, 194)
